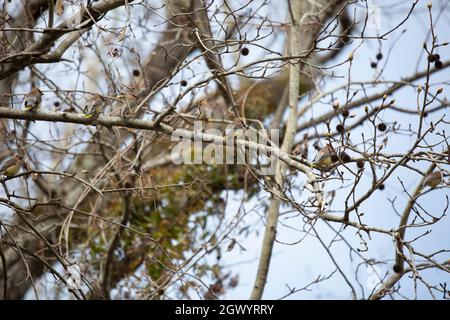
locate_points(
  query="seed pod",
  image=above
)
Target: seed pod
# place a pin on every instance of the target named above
(340, 128)
(360, 164)
(345, 157)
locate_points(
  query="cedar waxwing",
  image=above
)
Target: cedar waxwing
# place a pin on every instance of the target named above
(323, 157)
(433, 179)
(130, 101)
(297, 149)
(94, 106)
(32, 100)
(11, 167)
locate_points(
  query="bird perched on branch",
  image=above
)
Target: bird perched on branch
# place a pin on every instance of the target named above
(94, 106)
(32, 100)
(11, 167)
(433, 179)
(130, 101)
(324, 157)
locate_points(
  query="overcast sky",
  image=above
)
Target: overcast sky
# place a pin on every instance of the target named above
(299, 258)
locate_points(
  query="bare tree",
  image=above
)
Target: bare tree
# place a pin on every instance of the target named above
(156, 142)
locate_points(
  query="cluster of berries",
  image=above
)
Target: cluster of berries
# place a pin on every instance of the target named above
(436, 58)
(379, 56)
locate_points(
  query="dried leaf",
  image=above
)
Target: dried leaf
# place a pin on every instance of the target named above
(231, 245)
(234, 281)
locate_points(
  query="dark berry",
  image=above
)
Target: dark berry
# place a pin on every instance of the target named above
(334, 158)
(345, 113)
(397, 268)
(382, 127)
(345, 157)
(438, 64)
(245, 51)
(183, 83)
(381, 187)
(373, 65)
(56, 104)
(340, 128)
(379, 56)
(360, 164)
(431, 58)
(425, 114)
(436, 57)
(136, 72)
